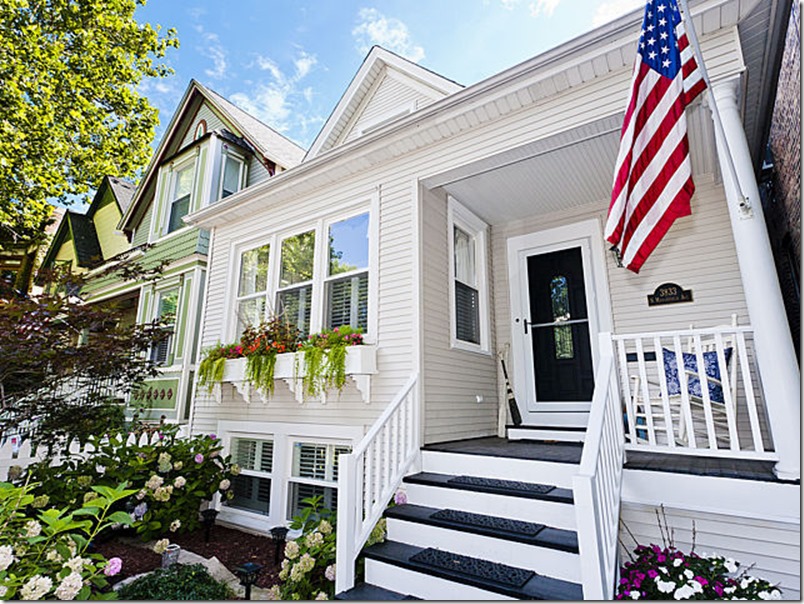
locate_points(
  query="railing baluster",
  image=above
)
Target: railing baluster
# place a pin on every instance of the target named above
(646, 401)
(750, 400)
(686, 408)
(668, 412)
(728, 395)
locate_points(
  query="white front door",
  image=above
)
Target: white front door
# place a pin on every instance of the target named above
(559, 304)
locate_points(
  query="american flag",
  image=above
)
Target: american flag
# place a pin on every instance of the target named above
(653, 178)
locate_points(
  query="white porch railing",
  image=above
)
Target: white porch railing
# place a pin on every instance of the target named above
(370, 474)
(596, 488)
(713, 406)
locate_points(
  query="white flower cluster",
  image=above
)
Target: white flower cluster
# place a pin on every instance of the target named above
(35, 588)
(69, 587)
(6, 557)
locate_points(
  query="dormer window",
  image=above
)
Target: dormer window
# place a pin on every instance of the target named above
(180, 192)
(233, 171)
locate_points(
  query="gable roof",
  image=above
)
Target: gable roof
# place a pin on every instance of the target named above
(270, 145)
(375, 65)
(122, 190)
(85, 240)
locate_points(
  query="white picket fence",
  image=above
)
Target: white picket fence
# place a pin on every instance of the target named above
(22, 454)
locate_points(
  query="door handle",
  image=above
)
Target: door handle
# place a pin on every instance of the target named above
(524, 324)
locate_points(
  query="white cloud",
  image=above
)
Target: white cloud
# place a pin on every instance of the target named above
(279, 100)
(509, 4)
(214, 50)
(610, 10)
(543, 7)
(374, 28)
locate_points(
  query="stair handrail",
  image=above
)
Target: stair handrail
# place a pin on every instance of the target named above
(371, 473)
(598, 483)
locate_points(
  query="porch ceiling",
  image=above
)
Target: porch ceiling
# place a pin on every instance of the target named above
(559, 172)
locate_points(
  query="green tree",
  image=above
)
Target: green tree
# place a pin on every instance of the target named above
(69, 71)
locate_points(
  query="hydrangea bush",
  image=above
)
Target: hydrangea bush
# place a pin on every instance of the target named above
(45, 552)
(170, 479)
(308, 570)
(665, 573)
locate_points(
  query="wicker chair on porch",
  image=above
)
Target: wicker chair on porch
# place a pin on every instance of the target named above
(713, 376)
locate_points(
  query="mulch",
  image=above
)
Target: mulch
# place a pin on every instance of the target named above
(231, 546)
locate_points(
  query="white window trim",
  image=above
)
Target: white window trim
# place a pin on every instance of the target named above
(156, 298)
(320, 268)
(236, 288)
(458, 215)
(228, 443)
(283, 435)
(318, 482)
(226, 152)
(173, 169)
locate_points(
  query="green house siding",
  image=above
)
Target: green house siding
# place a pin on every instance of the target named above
(106, 218)
(203, 242)
(143, 228)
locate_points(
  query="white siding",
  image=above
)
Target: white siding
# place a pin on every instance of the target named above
(453, 378)
(204, 113)
(774, 547)
(390, 96)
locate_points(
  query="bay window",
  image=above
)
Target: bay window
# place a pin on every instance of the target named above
(180, 194)
(233, 170)
(166, 311)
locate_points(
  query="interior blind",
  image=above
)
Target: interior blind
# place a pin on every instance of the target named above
(347, 301)
(467, 313)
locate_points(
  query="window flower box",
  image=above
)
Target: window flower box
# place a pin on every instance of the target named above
(361, 364)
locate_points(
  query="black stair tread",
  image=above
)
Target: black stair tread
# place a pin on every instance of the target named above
(549, 537)
(541, 427)
(558, 494)
(538, 587)
(366, 592)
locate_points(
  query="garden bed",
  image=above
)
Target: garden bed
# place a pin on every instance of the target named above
(230, 546)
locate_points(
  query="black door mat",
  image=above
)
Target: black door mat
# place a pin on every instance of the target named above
(499, 484)
(460, 519)
(474, 568)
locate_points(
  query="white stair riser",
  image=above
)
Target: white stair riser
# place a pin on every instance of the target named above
(571, 436)
(558, 515)
(506, 468)
(545, 561)
(559, 419)
(422, 585)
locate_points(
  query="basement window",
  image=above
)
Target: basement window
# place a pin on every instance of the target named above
(314, 472)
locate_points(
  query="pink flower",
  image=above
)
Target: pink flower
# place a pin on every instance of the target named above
(113, 567)
(199, 458)
(213, 436)
(400, 498)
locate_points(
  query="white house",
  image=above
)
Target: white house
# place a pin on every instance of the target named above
(473, 219)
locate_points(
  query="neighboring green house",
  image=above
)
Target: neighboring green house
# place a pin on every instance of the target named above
(210, 150)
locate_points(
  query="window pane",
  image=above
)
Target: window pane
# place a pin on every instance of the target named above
(167, 305)
(563, 342)
(310, 461)
(297, 259)
(467, 313)
(559, 298)
(251, 493)
(182, 183)
(465, 269)
(348, 244)
(250, 312)
(178, 210)
(293, 306)
(299, 492)
(254, 271)
(347, 302)
(252, 454)
(231, 176)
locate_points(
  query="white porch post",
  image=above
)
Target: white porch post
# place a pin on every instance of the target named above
(774, 348)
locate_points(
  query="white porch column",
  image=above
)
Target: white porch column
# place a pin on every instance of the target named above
(774, 348)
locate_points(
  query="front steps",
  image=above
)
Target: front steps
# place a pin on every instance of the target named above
(480, 526)
(561, 422)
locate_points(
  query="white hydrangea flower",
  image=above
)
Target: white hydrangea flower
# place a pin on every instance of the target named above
(330, 572)
(161, 545)
(314, 539)
(69, 587)
(296, 573)
(273, 593)
(154, 482)
(6, 556)
(53, 556)
(324, 527)
(75, 564)
(291, 550)
(36, 587)
(224, 484)
(179, 482)
(321, 596)
(33, 528)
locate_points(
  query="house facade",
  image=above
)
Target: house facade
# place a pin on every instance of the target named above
(471, 219)
(211, 149)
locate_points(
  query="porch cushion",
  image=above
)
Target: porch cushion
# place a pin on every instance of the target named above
(711, 368)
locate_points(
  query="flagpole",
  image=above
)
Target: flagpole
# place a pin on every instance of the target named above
(744, 204)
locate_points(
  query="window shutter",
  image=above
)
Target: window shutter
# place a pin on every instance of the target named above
(310, 461)
(245, 453)
(347, 302)
(467, 313)
(294, 306)
(266, 456)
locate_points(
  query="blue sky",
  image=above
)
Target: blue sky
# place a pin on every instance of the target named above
(288, 62)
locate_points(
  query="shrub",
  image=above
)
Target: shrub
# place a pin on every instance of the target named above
(44, 551)
(171, 478)
(178, 582)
